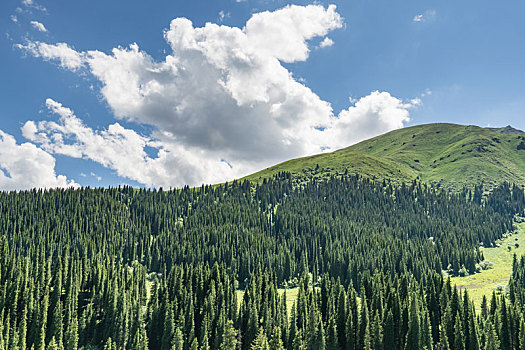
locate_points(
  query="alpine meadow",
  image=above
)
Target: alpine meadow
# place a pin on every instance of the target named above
(222, 187)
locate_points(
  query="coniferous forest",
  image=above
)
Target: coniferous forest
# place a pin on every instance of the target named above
(125, 268)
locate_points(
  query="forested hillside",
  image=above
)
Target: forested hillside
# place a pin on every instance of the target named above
(152, 269)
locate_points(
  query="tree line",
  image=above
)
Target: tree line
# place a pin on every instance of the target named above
(123, 268)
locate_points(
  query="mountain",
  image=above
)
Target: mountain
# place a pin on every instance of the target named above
(447, 155)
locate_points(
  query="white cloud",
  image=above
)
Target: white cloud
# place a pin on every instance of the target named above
(427, 92)
(223, 15)
(68, 57)
(26, 166)
(418, 18)
(370, 116)
(96, 176)
(38, 26)
(327, 42)
(428, 16)
(283, 33)
(33, 5)
(14, 18)
(122, 150)
(221, 103)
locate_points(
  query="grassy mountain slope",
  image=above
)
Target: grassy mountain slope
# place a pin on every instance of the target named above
(446, 154)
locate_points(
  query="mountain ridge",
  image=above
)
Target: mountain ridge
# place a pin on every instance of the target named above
(441, 154)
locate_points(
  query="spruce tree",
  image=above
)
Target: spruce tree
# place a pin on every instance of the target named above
(260, 342)
(492, 339)
(350, 333)
(389, 337)
(229, 337)
(331, 338)
(178, 340)
(276, 342)
(377, 333)
(413, 336)
(459, 338)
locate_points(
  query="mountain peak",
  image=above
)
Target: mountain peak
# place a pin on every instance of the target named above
(444, 154)
(507, 130)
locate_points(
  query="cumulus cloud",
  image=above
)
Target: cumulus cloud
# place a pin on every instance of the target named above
(327, 42)
(122, 150)
(283, 34)
(221, 103)
(26, 166)
(370, 116)
(68, 57)
(14, 18)
(38, 26)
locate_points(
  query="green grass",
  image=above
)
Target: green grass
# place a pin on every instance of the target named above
(291, 297)
(336, 163)
(485, 282)
(446, 154)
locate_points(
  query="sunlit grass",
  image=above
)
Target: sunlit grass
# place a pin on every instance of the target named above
(291, 297)
(485, 282)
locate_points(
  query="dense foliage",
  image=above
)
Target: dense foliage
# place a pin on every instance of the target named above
(140, 269)
(320, 227)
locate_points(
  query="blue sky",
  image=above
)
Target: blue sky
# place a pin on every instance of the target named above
(462, 60)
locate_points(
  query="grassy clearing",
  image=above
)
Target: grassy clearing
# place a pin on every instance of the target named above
(291, 297)
(485, 282)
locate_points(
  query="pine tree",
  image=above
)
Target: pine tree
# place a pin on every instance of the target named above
(55, 329)
(298, 341)
(341, 318)
(260, 342)
(443, 340)
(71, 338)
(364, 325)
(229, 337)
(350, 333)
(42, 323)
(331, 341)
(194, 344)
(459, 339)
(53, 345)
(205, 343)
(367, 338)
(492, 339)
(178, 340)
(23, 330)
(377, 333)
(504, 331)
(413, 335)
(484, 308)
(389, 338)
(169, 328)
(253, 325)
(426, 331)
(276, 342)
(321, 344)
(522, 334)
(110, 345)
